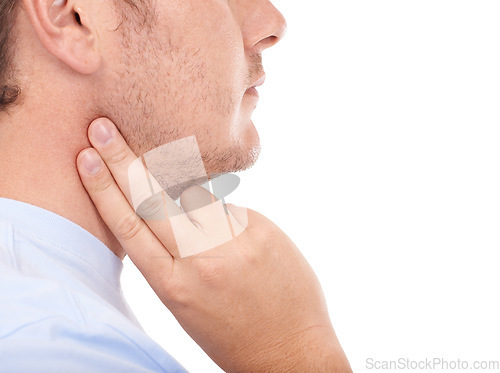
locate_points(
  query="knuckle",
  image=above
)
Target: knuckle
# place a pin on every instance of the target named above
(118, 157)
(175, 293)
(267, 238)
(153, 208)
(169, 287)
(127, 226)
(102, 183)
(211, 271)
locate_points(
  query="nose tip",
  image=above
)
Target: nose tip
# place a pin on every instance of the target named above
(278, 31)
(280, 26)
(263, 25)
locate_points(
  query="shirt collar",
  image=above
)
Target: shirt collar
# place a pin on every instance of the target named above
(57, 230)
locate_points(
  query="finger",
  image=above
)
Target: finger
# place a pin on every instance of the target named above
(212, 216)
(240, 214)
(195, 198)
(140, 188)
(138, 241)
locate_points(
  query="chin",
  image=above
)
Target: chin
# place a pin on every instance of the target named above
(238, 156)
(249, 148)
(249, 159)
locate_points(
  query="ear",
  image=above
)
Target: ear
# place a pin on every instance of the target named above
(65, 29)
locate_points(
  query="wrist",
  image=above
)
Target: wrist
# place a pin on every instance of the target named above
(321, 352)
(313, 350)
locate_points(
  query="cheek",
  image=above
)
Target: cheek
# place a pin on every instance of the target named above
(211, 53)
(208, 91)
(189, 77)
(231, 58)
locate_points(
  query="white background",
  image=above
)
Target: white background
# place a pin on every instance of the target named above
(380, 132)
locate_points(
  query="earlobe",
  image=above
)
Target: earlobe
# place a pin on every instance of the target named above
(65, 29)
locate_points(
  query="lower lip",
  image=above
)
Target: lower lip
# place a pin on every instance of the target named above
(252, 92)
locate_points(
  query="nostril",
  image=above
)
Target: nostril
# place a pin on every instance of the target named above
(78, 19)
(270, 41)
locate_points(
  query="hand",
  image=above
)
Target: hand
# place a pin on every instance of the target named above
(252, 303)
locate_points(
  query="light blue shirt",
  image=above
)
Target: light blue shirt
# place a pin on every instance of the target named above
(61, 304)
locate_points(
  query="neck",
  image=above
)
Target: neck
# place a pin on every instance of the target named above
(38, 166)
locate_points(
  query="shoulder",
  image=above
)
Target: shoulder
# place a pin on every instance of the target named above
(46, 327)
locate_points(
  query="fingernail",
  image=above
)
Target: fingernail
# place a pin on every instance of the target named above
(91, 162)
(103, 132)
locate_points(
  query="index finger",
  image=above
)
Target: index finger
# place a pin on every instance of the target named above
(133, 234)
(140, 188)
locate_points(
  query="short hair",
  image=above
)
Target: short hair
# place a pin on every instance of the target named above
(9, 92)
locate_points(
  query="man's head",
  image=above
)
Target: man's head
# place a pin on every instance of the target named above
(161, 70)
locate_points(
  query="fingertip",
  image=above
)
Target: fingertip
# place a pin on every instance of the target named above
(89, 162)
(101, 120)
